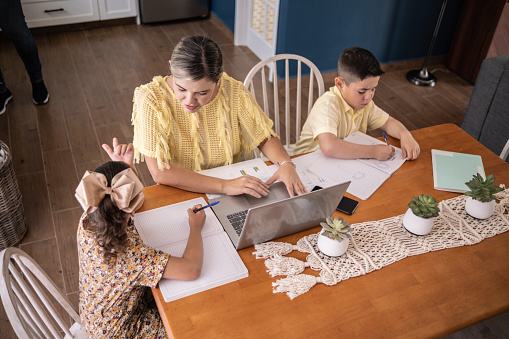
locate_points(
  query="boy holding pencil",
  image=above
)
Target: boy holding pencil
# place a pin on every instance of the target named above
(348, 107)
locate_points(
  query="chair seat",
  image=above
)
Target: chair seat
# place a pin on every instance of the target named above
(78, 331)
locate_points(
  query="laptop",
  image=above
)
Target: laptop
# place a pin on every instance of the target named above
(249, 221)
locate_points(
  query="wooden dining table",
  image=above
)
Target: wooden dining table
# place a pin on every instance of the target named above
(428, 295)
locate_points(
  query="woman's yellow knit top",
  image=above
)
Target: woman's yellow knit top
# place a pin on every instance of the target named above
(220, 133)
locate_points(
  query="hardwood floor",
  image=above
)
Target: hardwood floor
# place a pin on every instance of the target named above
(91, 76)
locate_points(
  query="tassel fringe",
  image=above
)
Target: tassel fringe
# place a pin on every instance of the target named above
(295, 285)
(280, 265)
(272, 249)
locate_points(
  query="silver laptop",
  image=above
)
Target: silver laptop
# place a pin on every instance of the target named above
(249, 220)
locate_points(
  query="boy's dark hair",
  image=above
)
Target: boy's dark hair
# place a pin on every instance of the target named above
(108, 223)
(357, 64)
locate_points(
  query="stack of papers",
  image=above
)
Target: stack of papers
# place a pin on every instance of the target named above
(366, 175)
(167, 229)
(452, 170)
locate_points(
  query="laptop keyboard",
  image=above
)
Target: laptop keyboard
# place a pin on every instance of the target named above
(237, 220)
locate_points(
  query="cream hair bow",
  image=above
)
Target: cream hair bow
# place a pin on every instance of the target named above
(126, 191)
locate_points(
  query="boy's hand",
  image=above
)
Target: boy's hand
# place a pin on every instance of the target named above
(196, 220)
(383, 152)
(409, 147)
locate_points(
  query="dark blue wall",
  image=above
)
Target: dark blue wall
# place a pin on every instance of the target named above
(394, 30)
(224, 10)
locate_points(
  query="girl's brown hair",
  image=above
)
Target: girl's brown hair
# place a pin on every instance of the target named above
(108, 223)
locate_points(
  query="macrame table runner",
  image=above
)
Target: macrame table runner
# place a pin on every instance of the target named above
(376, 244)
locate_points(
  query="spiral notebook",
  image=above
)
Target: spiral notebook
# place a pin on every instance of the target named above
(167, 229)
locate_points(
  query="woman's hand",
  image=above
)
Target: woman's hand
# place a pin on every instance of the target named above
(120, 152)
(288, 175)
(246, 184)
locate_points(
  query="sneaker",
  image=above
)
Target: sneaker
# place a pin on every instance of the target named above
(4, 100)
(40, 93)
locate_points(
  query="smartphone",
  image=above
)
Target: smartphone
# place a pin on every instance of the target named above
(347, 205)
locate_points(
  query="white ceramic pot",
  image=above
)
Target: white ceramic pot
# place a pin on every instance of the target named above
(332, 247)
(417, 225)
(479, 209)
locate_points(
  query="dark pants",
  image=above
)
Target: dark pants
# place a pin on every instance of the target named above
(14, 27)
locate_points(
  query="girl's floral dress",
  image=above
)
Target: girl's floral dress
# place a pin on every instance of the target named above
(116, 300)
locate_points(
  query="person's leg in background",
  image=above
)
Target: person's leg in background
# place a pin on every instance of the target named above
(14, 27)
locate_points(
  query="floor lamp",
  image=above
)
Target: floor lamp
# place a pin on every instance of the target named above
(421, 77)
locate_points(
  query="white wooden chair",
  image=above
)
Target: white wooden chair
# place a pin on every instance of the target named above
(32, 311)
(293, 105)
(505, 151)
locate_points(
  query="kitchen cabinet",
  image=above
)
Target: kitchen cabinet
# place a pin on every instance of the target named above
(40, 13)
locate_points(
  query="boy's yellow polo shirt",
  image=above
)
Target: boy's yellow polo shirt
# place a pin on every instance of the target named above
(332, 114)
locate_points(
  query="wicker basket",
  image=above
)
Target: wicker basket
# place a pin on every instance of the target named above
(12, 216)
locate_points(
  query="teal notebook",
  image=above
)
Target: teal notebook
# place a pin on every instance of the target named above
(452, 170)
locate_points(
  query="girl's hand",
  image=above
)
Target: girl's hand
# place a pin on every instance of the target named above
(288, 175)
(120, 152)
(246, 184)
(196, 220)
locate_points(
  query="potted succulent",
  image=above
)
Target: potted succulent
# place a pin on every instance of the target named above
(420, 215)
(480, 199)
(334, 238)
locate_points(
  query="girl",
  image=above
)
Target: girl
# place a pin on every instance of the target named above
(116, 270)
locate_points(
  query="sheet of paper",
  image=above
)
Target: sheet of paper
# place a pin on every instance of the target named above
(255, 167)
(167, 229)
(163, 226)
(388, 166)
(309, 179)
(365, 179)
(216, 270)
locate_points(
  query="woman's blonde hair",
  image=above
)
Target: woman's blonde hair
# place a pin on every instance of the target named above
(196, 57)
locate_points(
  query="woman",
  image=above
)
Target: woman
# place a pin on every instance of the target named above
(200, 118)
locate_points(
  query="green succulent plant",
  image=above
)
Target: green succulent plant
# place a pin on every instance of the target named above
(337, 229)
(481, 189)
(424, 206)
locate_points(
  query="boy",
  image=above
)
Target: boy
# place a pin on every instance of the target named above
(348, 107)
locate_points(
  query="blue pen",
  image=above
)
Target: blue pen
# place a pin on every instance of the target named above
(385, 137)
(203, 207)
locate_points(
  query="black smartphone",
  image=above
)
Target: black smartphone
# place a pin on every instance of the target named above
(347, 205)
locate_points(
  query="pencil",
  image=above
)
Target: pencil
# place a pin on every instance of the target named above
(204, 207)
(385, 137)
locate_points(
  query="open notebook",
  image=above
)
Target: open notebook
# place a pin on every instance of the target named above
(167, 228)
(366, 175)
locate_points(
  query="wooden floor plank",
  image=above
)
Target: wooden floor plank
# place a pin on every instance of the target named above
(36, 204)
(62, 179)
(66, 223)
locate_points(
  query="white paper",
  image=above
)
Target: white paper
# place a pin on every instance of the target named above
(388, 166)
(365, 179)
(255, 167)
(167, 229)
